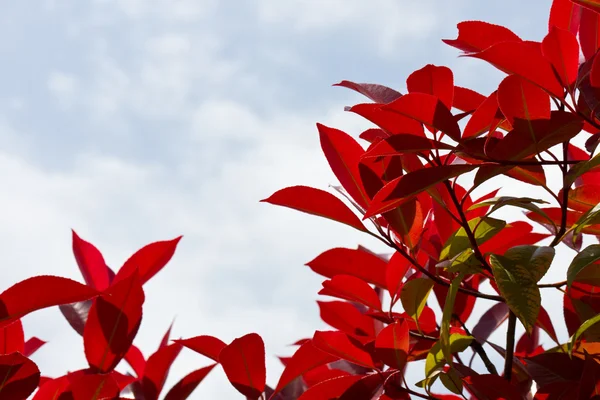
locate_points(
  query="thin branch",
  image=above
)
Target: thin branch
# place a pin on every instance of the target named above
(565, 198)
(478, 348)
(552, 285)
(510, 345)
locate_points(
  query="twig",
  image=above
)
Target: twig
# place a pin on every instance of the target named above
(510, 345)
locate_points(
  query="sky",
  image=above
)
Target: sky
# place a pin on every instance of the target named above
(133, 121)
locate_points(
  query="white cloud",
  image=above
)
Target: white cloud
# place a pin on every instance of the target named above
(64, 87)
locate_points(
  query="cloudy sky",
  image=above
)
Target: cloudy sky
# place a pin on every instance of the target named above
(133, 121)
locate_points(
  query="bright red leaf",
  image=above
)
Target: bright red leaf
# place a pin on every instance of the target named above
(518, 98)
(91, 264)
(244, 364)
(339, 345)
(12, 338)
(474, 36)
(391, 345)
(157, 369)
(434, 80)
(184, 388)
(566, 15)
(375, 92)
(351, 288)
(589, 32)
(32, 345)
(19, 376)
(561, 48)
(208, 346)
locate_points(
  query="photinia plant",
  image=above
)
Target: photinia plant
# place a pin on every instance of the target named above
(414, 188)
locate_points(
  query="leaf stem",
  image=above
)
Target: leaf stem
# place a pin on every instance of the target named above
(510, 345)
(479, 350)
(565, 198)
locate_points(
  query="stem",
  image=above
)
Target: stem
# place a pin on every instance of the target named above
(479, 350)
(552, 285)
(565, 198)
(510, 345)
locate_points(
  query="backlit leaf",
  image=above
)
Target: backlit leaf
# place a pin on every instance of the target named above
(487, 228)
(208, 346)
(91, 264)
(414, 296)
(561, 48)
(184, 388)
(375, 92)
(474, 36)
(587, 256)
(243, 361)
(19, 376)
(434, 80)
(339, 345)
(392, 343)
(521, 99)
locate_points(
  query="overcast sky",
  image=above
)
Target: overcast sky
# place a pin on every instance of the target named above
(134, 121)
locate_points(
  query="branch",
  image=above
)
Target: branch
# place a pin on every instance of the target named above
(552, 285)
(510, 345)
(565, 198)
(478, 348)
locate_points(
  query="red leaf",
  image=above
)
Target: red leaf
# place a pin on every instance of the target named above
(490, 321)
(590, 379)
(397, 191)
(208, 346)
(136, 360)
(164, 342)
(19, 376)
(347, 318)
(12, 338)
(434, 80)
(91, 264)
(544, 322)
(426, 109)
(391, 345)
(92, 386)
(518, 98)
(113, 322)
(589, 32)
(244, 364)
(40, 292)
(561, 48)
(373, 135)
(584, 198)
(157, 370)
(514, 234)
(358, 263)
(375, 92)
(368, 387)
(467, 100)
(306, 358)
(149, 260)
(404, 143)
(492, 387)
(391, 122)
(566, 15)
(476, 36)
(337, 344)
(593, 5)
(397, 268)
(76, 314)
(330, 388)
(525, 60)
(548, 368)
(316, 202)
(32, 345)
(184, 388)
(485, 118)
(351, 288)
(52, 389)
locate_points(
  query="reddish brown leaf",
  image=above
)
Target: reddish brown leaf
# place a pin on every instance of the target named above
(561, 48)
(486, 117)
(368, 387)
(353, 289)
(136, 360)
(589, 32)
(19, 376)
(208, 346)
(474, 36)
(347, 318)
(330, 388)
(355, 262)
(17, 301)
(184, 388)
(32, 345)
(584, 198)
(306, 358)
(391, 122)
(397, 191)
(514, 234)
(316, 202)
(149, 260)
(113, 322)
(566, 15)
(518, 98)
(467, 100)
(339, 345)
(244, 364)
(391, 345)
(12, 338)
(492, 387)
(525, 60)
(404, 143)
(434, 80)
(490, 321)
(157, 369)
(375, 92)
(428, 110)
(548, 368)
(544, 322)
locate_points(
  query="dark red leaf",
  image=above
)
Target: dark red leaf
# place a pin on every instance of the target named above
(525, 60)
(589, 32)
(368, 387)
(149, 260)
(358, 263)
(330, 388)
(404, 143)
(53, 389)
(136, 360)
(12, 338)
(244, 364)
(157, 370)
(434, 80)
(391, 122)
(492, 387)
(561, 48)
(353, 289)
(391, 345)
(520, 99)
(113, 322)
(347, 318)
(544, 322)
(485, 118)
(208, 346)
(474, 36)
(40, 292)
(306, 358)
(19, 376)
(91, 264)
(566, 15)
(32, 345)
(490, 321)
(548, 368)
(339, 345)
(375, 92)
(184, 388)
(316, 202)
(428, 110)
(467, 100)
(76, 314)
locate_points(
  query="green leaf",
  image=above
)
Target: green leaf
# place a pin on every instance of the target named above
(581, 168)
(414, 296)
(526, 203)
(464, 263)
(585, 326)
(518, 287)
(590, 217)
(483, 229)
(587, 256)
(447, 316)
(536, 259)
(435, 360)
(452, 381)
